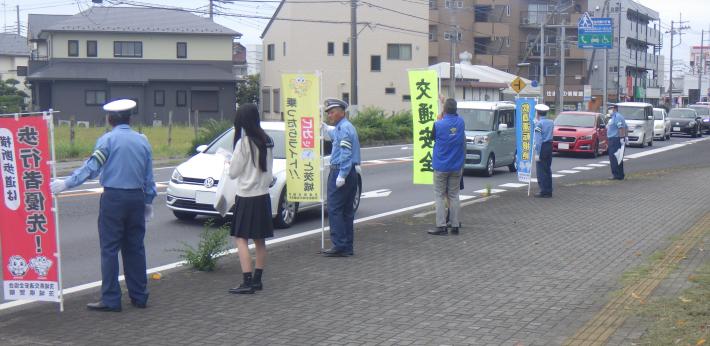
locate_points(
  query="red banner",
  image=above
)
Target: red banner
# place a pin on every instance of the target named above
(30, 263)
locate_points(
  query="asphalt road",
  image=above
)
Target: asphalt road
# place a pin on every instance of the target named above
(385, 169)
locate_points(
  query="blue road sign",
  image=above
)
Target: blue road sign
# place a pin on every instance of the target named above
(595, 32)
(534, 84)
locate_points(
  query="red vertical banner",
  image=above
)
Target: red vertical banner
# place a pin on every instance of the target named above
(30, 263)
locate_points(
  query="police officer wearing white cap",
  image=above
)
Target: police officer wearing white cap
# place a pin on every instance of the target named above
(543, 148)
(342, 180)
(123, 160)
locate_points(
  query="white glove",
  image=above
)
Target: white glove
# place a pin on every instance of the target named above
(340, 181)
(626, 140)
(149, 212)
(325, 130)
(58, 186)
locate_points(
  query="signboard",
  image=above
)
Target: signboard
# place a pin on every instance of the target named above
(595, 33)
(524, 115)
(587, 92)
(640, 92)
(30, 262)
(301, 95)
(518, 85)
(424, 88)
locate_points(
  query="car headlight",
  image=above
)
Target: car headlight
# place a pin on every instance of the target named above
(586, 138)
(481, 139)
(273, 182)
(706, 120)
(691, 124)
(176, 177)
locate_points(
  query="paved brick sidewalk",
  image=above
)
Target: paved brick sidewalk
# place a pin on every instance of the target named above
(523, 270)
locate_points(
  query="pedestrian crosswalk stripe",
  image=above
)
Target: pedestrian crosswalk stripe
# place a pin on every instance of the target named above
(596, 165)
(567, 171)
(582, 168)
(492, 191)
(557, 175)
(513, 185)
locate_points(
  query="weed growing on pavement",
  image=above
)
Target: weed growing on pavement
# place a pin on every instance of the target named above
(213, 241)
(489, 187)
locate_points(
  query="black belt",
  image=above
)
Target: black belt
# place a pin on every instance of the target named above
(118, 189)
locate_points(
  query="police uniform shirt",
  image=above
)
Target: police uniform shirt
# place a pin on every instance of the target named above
(124, 160)
(543, 132)
(346, 147)
(616, 122)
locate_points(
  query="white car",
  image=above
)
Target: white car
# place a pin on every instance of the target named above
(193, 185)
(661, 124)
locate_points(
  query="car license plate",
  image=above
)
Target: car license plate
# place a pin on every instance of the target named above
(564, 146)
(676, 128)
(473, 156)
(205, 197)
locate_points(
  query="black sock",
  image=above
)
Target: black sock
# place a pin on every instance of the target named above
(257, 275)
(247, 278)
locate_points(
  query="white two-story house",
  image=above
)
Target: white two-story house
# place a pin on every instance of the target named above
(14, 53)
(165, 60)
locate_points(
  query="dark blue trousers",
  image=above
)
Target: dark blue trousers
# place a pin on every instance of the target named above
(544, 169)
(341, 211)
(122, 227)
(617, 168)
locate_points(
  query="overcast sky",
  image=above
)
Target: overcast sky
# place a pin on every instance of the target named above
(694, 11)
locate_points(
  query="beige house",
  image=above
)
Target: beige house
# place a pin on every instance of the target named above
(392, 38)
(14, 53)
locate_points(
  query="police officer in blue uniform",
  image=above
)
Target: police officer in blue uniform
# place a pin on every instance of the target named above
(616, 132)
(123, 159)
(342, 179)
(543, 148)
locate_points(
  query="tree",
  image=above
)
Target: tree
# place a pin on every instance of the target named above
(248, 90)
(12, 100)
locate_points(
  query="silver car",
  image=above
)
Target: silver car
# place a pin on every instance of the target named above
(193, 185)
(661, 124)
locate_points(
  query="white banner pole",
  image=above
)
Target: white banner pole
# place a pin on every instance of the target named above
(322, 162)
(55, 205)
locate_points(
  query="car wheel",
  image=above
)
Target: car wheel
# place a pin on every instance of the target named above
(650, 142)
(184, 216)
(700, 131)
(595, 152)
(286, 212)
(358, 193)
(490, 165)
(513, 167)
(643, 143)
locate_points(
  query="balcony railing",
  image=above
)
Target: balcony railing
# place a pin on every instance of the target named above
(535, 18)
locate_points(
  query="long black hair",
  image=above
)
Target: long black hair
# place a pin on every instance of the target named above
(248, 119)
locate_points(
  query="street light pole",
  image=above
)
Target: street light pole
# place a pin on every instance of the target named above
(542, 62)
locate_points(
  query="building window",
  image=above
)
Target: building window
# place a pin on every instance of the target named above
(433, 34)
(181, 98)
(127, 49)
(284, 48)
(389, 91)
(399, 51)
(448, 35)
(453, 4)
(432, 4)
(91, 49)
(73, 48)
(270, 52)
(482, 13)
(266, 100)
(277, 100)
(375, 63)
(406, 98)
(331, 48)
(159, 97)
(346, 48)
(346, 97)
(95, 97)
(182, 50)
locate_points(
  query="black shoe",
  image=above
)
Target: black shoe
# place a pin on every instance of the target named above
(333, 252)
(257, 286)
(455, 231)
(136, 304)
(242, 289)
(542, 195)
(100, 306)
(438, 231)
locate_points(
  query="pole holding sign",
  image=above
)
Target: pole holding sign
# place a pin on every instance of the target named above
(424, 88)
(525, 116)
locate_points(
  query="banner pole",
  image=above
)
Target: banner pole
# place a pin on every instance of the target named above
(534, 161)
(55, 205)
(322, 163)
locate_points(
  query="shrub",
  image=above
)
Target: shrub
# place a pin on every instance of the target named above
(213, 241)
(208, 132)
(373, 124)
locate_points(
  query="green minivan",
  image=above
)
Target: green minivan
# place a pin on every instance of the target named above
(490, 135)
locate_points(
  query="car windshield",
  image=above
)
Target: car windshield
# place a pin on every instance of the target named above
(701, 110)
(657, 114)
(477, 119)
(632, 113)
(574, 120)
(683, 113)
(226, 142)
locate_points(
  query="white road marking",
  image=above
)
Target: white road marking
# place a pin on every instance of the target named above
(655, 151)
(567, 171)
(513, 185)
(492, 191)
(376, 193)
(375, 162)
(557, 175)
(596, 165)
(583, 168)
(605, 162)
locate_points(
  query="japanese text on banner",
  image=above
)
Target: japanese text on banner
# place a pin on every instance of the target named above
(525, 116)
(424, 88)
(301, 94)
(29, 245)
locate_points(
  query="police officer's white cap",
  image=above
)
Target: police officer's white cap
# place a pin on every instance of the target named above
(333, 102)
(542, 108)
(120, 105)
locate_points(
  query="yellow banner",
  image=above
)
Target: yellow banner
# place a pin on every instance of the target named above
(424, 91)
(301, 105)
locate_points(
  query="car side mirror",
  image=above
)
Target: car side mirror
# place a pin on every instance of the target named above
(201, 148)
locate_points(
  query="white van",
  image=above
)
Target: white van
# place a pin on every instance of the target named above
(639, 118)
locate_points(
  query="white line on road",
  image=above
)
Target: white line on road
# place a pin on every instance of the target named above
(557, 175)
(513, 185)
(605, 162)
(492, 191)
(597, 165)
(567, 171)
(583, 168)
(655, 151)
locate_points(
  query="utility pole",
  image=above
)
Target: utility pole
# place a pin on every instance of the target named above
(453, 36)
(542, 62)
(353, 56)
(211, 10)
(673, 32)
(562, 39)
(19, 32)
(701, 65)
(618, 57)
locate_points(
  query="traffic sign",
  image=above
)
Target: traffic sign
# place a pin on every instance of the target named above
(534, 83)
(595, 32)
(518, 84)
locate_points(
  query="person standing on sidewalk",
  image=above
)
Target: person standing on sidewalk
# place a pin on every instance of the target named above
(123, 158)
(447, 160)
(251, 167)
(543, 148)
(342, 179)
(616, 131)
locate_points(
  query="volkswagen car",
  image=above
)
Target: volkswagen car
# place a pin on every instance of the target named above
(580, 132)
(685, 121)
(193, 185)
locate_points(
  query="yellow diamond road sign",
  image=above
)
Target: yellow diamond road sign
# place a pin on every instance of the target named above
(518, 85)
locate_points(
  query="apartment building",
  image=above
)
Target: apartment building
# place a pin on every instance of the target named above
(315, 35)
(167, 61)
(505, 34)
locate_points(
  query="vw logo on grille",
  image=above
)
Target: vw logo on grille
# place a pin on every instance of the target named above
(209, 182)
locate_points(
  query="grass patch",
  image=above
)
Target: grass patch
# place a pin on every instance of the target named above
(634, 275)
(213, 241)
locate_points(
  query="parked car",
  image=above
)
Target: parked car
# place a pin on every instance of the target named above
(193, 184)
(639, 119)
(580, 132)
(703, 110)
(490, 135)
(661, 124)
(685, 121)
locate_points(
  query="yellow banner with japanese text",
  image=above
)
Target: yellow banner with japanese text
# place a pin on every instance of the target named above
(301, 105)
(424, 90)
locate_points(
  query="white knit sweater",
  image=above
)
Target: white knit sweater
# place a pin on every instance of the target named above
(251, 181)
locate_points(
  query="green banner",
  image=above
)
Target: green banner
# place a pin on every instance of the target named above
(424, 90)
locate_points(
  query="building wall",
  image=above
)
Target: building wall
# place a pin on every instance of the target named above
(306, 50)
(8, 69)
(254, 58)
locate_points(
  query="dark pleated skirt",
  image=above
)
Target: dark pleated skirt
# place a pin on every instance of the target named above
(252, 218)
